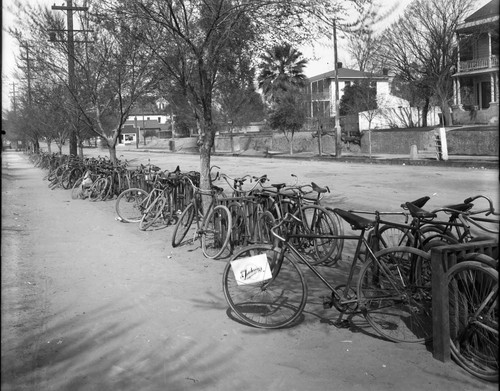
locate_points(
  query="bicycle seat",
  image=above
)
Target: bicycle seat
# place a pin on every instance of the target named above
(278, 186)
(319, 189)
(418, 202)
(415, 211)
(460, 207)
(356, 222)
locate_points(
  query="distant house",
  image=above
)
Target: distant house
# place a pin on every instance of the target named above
(320, 90)
(392, 112)
(159, 124)
(475, 82)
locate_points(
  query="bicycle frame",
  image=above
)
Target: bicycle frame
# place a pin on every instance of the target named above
(340, 299)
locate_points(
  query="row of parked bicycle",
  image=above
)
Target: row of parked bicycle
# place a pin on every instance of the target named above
(273, 230)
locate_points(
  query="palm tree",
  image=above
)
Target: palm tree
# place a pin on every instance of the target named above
(281, 71)
(281, 78)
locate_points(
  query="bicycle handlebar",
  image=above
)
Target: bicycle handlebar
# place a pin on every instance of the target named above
(490, 210)
(287, 218)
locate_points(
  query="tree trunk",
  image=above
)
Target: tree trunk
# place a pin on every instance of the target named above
(73, 150)
(36, 146)
(291, 145)
(445, 110)
(369, 143)
(80, 147)
(425, 112)
(49, 146)
(112, 153)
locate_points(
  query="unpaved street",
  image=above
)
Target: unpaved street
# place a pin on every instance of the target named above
(89, 303)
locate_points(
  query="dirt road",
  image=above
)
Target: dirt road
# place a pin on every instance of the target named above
(89, 303)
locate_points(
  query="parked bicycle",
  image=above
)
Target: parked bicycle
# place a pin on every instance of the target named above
(213, 225)
(265, 286)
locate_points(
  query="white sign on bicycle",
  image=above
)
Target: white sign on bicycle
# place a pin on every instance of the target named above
(251, 270)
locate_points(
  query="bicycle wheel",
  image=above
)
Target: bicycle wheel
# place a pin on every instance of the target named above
(263, 230)
(339, 243)
(395, 295)
(473, 311)
(273, 303)
(436, 240)
(316, 220)
(151, 216)
(216, 231)
(238, 234)
(183, 225)
(97, 188)
(76, 190)
(130, 205)
(391, 236)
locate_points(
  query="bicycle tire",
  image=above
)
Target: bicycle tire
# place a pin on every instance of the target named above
(270, 304)
(318, 221)
(238, 234)
(129, 205)
(437, 240)
(97, 189)
(392, 236)
(152, 214)
(396, 298)
(216, 231)
(473, 314)
(339, 243)
(264, 224)
(183, 225)
(66, 179)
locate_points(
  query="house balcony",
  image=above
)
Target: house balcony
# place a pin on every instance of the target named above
(482, 63)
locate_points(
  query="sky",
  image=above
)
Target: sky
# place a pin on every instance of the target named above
(320, 54)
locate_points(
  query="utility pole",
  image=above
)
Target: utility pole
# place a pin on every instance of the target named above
(338, 131)
(73, 147)
(14, 102)
(28, 72)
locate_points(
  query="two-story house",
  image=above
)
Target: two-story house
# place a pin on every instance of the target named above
(319, 98)
(320, 90)
(475, 82)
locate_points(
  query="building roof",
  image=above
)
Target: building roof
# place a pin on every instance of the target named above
(345, 73)
(488, 15)
(489, 10)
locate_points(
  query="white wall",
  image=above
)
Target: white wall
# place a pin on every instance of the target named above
(386, 118)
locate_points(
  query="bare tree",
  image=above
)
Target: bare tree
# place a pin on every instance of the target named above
(421, 47)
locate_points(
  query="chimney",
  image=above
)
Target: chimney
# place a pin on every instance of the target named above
(385, 71)
(339, 65)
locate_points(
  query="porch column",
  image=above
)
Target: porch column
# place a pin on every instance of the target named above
(455, 96)
(459, 95)
(492, 84)
(489, 49)
(496, 87)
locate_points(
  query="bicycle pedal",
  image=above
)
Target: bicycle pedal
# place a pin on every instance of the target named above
(342, 324)
(327, 302)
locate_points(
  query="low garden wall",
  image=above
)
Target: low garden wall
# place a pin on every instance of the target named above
(472, 141)
(302, 142)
